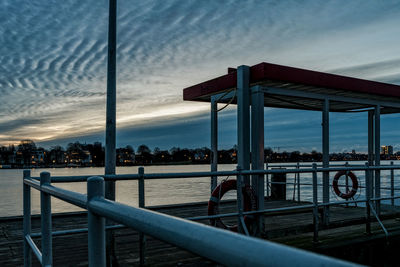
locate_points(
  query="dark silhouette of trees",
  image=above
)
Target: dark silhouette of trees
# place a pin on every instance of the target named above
(144, 155)
(26, 154)
(56, 155)
(161, 156)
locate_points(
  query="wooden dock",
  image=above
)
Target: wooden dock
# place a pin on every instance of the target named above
(344, 237)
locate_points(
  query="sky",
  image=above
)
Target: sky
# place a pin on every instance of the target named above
(53, 65)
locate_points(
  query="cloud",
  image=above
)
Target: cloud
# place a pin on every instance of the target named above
(53, 58)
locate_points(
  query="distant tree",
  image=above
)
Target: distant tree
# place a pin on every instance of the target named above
(295, 156)
(97, 153)
(56, 155)
(144, 155)
(26, 151)
(130, 149)
(156, 151)
(161, 156)
(143, 149)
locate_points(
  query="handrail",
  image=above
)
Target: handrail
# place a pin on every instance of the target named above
(100, 208)
(379, 221)
(34, 248)
(122, 177)
(218, 245)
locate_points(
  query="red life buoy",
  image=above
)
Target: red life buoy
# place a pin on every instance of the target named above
(354, 187)
(249, 203)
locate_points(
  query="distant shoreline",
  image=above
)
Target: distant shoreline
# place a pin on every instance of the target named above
(8, 167)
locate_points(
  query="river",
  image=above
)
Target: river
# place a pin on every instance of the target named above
(157, 192)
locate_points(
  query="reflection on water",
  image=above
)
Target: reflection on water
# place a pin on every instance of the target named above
(157, 192)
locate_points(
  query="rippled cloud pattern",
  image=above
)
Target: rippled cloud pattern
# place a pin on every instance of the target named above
(53, 57)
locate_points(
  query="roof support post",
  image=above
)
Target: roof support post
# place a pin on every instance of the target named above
(371, 148)
(243, 134)
(325, 159)
(257, 151)
(377, 156)
(110, 157)
(214, 141)
(243, 111)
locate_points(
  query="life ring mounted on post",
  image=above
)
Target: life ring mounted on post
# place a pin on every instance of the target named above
(354, 187)
(249, 203)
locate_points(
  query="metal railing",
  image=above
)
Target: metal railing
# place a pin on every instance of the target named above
(212, 243)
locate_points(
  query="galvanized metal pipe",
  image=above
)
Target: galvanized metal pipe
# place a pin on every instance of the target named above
(96, 224)
(243, 119)
(74, 198)
(315, 202)
(27, 218)
(33, 247)
(183, 175)
(267, 179)
(78, 231)
(377, 157)
(46, 225)
(214, 142)
(347, 179)
(239, 197)
(392, 184)
(371, 143)
(142, 238)
(298, 183)
(368, 192)
(257, 152)
(111, 118)
(325, 159)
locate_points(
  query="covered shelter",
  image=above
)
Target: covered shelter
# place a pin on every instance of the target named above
(271, 85)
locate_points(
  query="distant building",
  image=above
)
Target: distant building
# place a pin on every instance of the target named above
(387, 150)
(125, 156)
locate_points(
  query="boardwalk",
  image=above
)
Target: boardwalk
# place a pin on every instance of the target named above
(293, 229)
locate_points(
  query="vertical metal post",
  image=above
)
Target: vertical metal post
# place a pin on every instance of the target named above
(45, 209)
(27, 219)
(347, 179)
(325, 159)
(96, 224)
(368, 190)
(239, 181)
(257, 150)
(243, 111)
(214, 141)
(315, 202)
(378, 158)
(298, 183)
(142, 238)
(392, 184)
(267, 180)
(110, 157)
(371, 142)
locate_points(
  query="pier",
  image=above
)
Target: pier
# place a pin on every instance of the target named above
(289, 222)
(347, 229)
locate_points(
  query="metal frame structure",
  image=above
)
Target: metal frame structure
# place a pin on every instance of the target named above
(279, 86)
(218, 245)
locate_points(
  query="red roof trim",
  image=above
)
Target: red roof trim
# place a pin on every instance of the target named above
(268, 71)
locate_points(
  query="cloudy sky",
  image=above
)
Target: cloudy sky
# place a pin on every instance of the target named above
(53, 58)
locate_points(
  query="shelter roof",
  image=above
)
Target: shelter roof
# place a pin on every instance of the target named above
(289, 87)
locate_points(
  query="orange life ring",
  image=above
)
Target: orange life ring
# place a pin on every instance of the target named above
(249, 203)
(354, 181)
